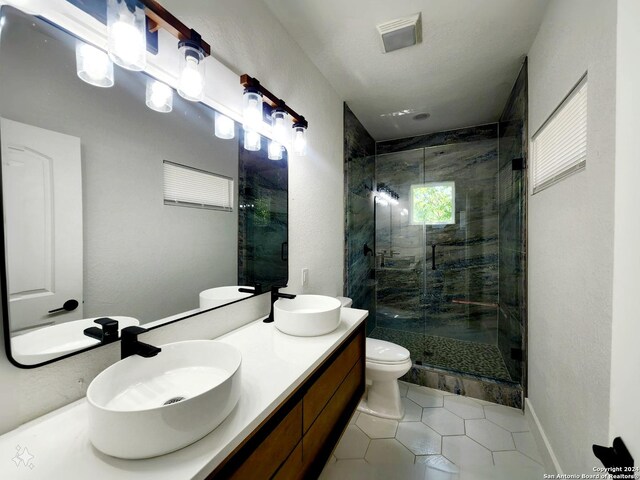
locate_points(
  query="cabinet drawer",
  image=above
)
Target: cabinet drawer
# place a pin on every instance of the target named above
(274, 449)
(325, 386)
(318, 434)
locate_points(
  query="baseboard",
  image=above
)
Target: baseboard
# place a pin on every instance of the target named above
(544, 447)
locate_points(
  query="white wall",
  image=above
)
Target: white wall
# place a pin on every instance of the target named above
(625, 364)
(246, 36)
(571, 227)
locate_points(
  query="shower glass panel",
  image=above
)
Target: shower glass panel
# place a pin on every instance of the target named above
(437, 256)
(360, 239)
(400, 255)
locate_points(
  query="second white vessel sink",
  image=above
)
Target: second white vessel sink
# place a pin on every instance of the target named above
(307, 315)
(145, 407)
(56, 340)
(215, 297)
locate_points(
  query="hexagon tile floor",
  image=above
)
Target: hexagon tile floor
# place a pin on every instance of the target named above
(442, 436)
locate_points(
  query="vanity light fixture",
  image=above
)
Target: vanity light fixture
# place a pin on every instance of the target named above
(127, 38)
(225, 128)
(254, 96)
(191, 81)
(300, 137)
(159, 96)
(279, 123)
(93, 65)
(275, 150)
(252, 140)
(251, 108)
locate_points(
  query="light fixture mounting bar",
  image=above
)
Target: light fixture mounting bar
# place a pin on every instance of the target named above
(272, 100)
(162, 18)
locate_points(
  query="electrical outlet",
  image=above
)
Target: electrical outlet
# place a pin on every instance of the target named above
(305, 276)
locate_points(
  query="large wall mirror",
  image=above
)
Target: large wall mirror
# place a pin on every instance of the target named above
(92, 228)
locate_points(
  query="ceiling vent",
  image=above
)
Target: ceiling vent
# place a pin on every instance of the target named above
(401, 33)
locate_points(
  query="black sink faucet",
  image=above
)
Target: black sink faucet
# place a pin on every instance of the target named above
(130, 345)
(256, 289)
(107, 334)
(275, 295)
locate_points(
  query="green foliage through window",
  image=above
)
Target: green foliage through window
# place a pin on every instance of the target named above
(433, 203)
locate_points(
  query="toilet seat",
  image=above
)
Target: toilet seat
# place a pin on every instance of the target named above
(385, 353)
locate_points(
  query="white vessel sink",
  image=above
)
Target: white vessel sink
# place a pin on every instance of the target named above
(144, 407)
(307, 315)
(215, 297)
(54, 341)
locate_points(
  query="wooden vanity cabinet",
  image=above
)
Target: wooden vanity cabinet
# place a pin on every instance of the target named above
(295, 441)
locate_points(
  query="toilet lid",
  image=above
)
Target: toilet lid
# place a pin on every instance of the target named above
(385, 352)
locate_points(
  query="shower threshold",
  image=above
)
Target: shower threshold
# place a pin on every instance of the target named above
(460, 356)
(465, 368)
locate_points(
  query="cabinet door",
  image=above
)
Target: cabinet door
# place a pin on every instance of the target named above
(274, 449)
(292, 469)
(320, 432)
(324, 387)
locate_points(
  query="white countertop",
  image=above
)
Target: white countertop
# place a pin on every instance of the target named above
(273, 365)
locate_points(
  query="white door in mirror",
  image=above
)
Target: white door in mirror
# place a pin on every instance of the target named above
(145, 407)
(42, 185)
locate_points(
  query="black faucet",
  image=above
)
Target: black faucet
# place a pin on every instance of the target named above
(130, 345)
(107, 334)
(256, 289)
(275, 295)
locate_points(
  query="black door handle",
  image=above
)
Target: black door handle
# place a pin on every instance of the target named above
(433, 256)
(68, 306)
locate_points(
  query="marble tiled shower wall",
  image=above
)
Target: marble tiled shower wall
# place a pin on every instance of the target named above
(512, 194)
(359, 163)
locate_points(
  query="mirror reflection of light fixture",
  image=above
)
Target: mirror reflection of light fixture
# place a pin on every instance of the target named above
(300, 137)
(279, 123)
(252, 141)
(126, 34)
(191, 68)
(275, 150)
(224, 127)
(159, 96)
(385, 193)
(93, 65)
(251, 108)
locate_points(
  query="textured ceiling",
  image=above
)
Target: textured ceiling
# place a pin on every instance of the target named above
(461, 73)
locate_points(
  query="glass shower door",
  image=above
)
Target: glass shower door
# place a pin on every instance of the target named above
(437, 256)
(400, 254)
(462, 275)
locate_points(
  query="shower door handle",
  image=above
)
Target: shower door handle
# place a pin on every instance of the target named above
(433, 256)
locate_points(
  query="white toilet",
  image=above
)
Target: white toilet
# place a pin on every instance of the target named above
(386, 362)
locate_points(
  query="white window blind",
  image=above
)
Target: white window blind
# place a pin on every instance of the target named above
(559, 148)
(190, 187)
